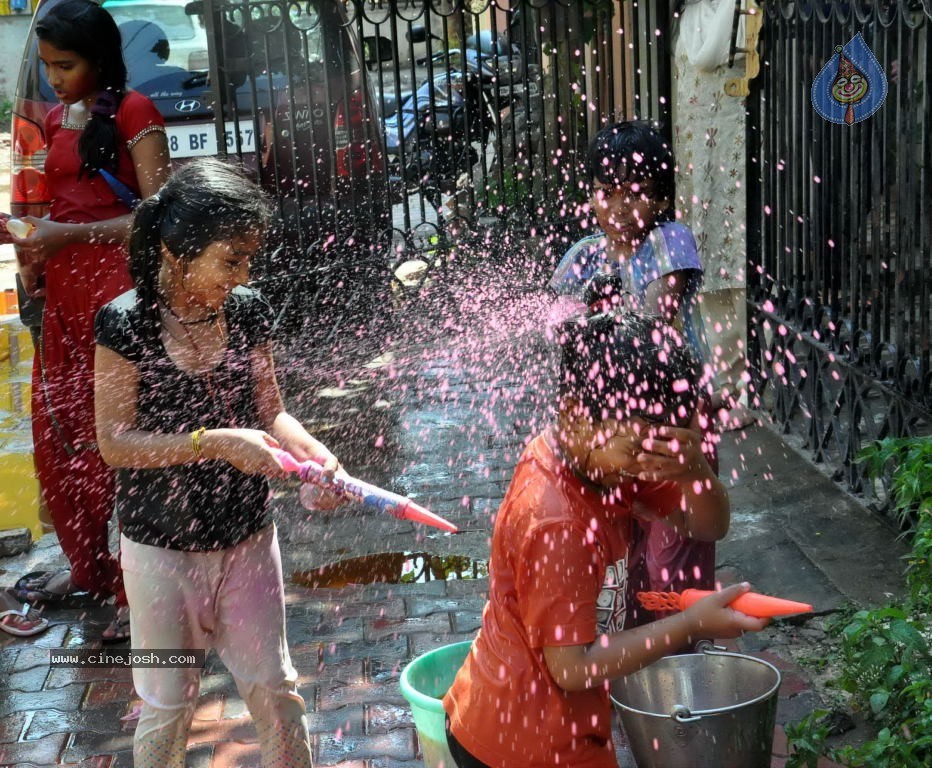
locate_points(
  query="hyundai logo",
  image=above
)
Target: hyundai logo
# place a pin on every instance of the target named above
(187, 105)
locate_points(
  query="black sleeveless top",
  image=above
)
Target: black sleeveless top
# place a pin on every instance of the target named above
(207, 505)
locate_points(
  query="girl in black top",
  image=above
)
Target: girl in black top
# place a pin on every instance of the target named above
(188, 411)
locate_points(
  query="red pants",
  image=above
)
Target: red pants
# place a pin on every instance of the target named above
(77, 485)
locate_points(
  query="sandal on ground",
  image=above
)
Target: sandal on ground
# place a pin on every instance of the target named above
(32, 588)
(117, 631)
(21, 622)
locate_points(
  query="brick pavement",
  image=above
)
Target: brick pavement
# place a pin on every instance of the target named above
(349, 643)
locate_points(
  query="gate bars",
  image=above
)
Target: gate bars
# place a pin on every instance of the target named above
(839, 235)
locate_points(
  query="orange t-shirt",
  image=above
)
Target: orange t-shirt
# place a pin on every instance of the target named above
(558, 573)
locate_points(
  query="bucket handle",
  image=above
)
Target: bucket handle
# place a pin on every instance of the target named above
(682, 714)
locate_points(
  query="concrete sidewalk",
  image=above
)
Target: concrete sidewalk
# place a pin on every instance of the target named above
(794, 534)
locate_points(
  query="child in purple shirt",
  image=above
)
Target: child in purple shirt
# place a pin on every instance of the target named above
(646, 258)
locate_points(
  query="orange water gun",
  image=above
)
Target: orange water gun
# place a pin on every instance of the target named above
(750, 603)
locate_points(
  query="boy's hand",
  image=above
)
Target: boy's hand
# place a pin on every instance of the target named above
(673, 453)
(712, 618)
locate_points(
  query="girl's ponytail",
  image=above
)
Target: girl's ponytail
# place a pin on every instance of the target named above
(145, 259)
(99, 142)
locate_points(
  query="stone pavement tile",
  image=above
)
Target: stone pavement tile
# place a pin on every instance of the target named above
(84, 744)
(209, 707)
(98, 761)
(365, 610)
(382, 717)
(30, 657)
(234, 707)
(104, 720)
(59, 677)
(334, 693)
(199, 756)
(467, 622)
(332, 629)
(232, 754)
(388, 648)
(11, 727)
(346, 671)
(64, 699)
(106, 692)
(437, 623)
(795, 708)
(41, 751)
(423, 643)
(345, 722)
(32, 679)
(397, 745)
(417, 607)
(122, 759)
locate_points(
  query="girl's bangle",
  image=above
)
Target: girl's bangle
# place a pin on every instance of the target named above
(196, 436)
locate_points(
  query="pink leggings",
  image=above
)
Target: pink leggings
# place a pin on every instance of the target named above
(231, 600)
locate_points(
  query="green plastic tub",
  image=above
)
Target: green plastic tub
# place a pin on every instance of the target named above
(423, 684)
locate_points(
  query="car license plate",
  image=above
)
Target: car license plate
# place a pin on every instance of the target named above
(200, 139)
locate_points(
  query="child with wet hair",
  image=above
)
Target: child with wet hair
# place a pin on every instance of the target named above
(645, 260)
(534, 689)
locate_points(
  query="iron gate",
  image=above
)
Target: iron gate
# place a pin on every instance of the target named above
(840, 231)
(321, 94)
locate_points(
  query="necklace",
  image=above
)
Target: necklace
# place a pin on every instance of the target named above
(206, 369)
(212, 315)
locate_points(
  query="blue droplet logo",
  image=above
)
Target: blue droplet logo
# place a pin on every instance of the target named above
(851, 86)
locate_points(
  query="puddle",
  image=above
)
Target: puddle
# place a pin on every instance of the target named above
(393, 568)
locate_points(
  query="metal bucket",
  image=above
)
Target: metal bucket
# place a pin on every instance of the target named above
(709, 709)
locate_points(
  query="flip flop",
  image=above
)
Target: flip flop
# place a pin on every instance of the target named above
(120, 631)
(27, 627)
(31, 589)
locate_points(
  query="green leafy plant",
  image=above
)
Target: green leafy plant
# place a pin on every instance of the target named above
(808, 738)
(887, 661)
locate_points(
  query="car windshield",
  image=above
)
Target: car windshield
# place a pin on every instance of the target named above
(176, 24)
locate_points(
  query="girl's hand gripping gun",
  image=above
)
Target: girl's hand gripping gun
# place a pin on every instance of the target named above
(352, 489)
(750, 603)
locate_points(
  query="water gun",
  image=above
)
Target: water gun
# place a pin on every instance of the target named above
(352, 489)
(750, 603)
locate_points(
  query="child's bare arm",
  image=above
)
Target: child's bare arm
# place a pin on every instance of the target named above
(578, 667)
(676, 454)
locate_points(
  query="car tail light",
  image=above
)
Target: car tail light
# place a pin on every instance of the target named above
(28, 184)
(350, 139)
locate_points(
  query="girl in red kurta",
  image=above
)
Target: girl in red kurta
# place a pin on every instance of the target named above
(98, 128)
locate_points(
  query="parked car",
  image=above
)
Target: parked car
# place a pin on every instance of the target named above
(292, 87)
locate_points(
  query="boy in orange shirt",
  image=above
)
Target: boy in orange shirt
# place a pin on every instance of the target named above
(534, 690)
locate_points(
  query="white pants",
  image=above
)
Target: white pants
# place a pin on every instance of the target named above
(725, 314)
(231, 600)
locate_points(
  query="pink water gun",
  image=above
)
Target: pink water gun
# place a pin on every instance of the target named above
(750, 603)
(352, 489)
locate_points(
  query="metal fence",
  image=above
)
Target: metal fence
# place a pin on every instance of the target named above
(840, 231)
(481, 110)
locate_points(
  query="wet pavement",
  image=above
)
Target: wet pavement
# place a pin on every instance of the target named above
(435, 428)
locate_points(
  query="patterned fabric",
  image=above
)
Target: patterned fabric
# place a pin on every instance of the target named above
(709, 141)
